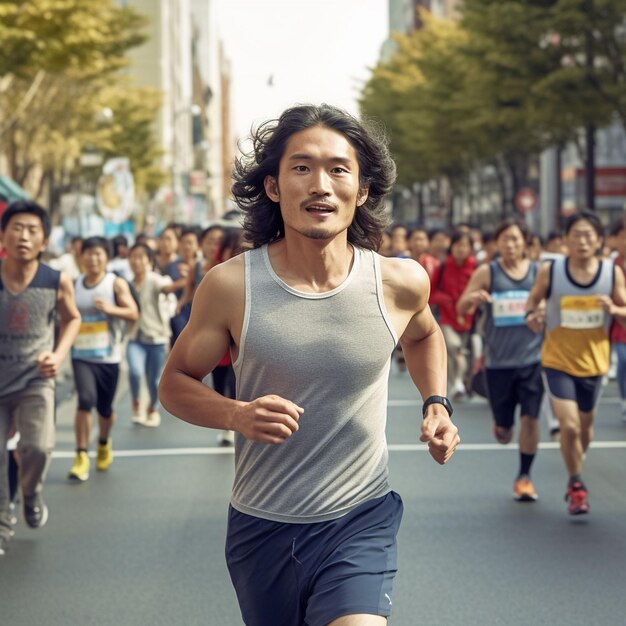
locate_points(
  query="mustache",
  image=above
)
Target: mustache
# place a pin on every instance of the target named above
(314, 199)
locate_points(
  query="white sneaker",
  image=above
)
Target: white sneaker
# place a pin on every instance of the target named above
(138, 417)
(226, 438)
(153, 419)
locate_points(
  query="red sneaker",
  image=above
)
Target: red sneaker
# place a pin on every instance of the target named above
(576, 498)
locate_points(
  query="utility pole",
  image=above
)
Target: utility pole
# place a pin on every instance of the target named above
(590, 129)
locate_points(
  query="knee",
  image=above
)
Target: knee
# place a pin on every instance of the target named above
(570, 430)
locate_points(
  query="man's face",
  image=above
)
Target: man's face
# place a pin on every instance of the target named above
(24, 238)
(511, 244)
(398, 241)
(582, 240)
(418, 243)
(318, 184)
(94, 261)
(439, 244)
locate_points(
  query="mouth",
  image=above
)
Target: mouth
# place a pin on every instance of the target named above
(320, 208)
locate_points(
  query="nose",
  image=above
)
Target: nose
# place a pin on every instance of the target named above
(319, 183)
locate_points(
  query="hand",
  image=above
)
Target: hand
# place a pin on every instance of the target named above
(607, 304)
(102, 305)
(269, 419)
(535, 320)
(48, 364)
(440, 433)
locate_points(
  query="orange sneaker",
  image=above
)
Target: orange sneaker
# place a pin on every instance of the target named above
(524, 490)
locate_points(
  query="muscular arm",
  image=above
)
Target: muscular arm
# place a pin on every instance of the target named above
(215, 323)
(49, 362)
(616, 304)
(476, 292)
(406, 294)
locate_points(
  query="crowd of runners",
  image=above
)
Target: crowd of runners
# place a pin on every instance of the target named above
(519, 315)
(523, 321)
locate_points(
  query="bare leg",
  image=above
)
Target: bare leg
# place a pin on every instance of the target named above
(82, 428)
(572, 449)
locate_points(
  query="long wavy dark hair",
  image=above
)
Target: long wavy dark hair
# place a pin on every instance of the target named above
(263, 222)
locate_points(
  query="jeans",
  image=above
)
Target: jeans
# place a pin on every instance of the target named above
(145, 359)
(620, 350)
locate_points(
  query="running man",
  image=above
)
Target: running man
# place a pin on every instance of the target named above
(31, 296)
(512, 351)
(312, 316)
(104, 301)
(582, 292)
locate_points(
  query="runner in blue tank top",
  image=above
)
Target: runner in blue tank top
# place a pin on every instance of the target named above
(311, 316)
(512, 351)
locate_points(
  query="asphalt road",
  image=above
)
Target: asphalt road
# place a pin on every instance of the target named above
(143, 543)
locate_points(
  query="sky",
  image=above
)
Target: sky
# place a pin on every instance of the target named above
(285, 52)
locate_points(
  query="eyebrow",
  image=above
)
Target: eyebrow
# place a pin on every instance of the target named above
(302, 156)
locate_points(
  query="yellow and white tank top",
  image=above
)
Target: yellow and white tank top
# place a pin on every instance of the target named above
(577, 328)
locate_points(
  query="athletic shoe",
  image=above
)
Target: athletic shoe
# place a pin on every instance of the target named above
(153, 419)
(138, 417)
(105, 456)
(226, 438)
(35, 511)
(576, 497)
(80, 469)
(524, 490)
(4, 544)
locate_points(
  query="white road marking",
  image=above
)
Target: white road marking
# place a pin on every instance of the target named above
(393, 447)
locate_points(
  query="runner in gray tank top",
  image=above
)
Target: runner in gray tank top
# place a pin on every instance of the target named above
(31, 296)
(311, 316)
(512, 351)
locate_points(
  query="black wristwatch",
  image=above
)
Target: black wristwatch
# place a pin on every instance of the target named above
(437, 400)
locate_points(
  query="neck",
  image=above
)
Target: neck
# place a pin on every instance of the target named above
(92, 279)
(584, 263)
(318, 264)
(18, 270)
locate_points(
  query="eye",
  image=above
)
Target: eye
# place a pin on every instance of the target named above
(340, 170)
(301, 168)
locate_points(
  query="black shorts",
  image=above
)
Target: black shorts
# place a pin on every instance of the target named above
(584, 390)
(96, 384)
(509, 387)
(286, 574)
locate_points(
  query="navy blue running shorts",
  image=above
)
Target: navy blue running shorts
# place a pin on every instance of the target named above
(288, 574)
(584, 390)
(508, 387)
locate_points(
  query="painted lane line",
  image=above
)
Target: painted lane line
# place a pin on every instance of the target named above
(394, 447)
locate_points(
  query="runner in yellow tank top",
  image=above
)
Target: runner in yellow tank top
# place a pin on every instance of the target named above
(581, 293)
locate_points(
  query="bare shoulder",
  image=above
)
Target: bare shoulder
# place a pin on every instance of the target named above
(225, 278)
(405, 281)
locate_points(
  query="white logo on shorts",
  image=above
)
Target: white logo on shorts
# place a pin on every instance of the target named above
(388, 598)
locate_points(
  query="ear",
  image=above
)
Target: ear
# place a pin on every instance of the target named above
(271, 188)
(362, 197)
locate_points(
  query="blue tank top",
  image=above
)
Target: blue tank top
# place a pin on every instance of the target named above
(508, 341)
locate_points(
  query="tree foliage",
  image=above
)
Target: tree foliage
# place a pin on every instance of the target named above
(59, 69)
(510, 79)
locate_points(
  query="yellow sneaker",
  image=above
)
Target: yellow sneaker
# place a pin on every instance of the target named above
(524, 490)
(80, 469)
(105, 456)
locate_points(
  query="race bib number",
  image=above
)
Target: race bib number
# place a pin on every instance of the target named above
(581, 312)
(508, 307)
(94, 338)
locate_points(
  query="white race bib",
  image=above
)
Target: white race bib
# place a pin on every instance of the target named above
(508, 308)
(581, 312)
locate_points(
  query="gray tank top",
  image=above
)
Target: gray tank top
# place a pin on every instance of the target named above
(27, 330)
(508, 341)
(330, 354)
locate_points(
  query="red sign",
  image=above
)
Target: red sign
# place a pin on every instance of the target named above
(526, 200)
